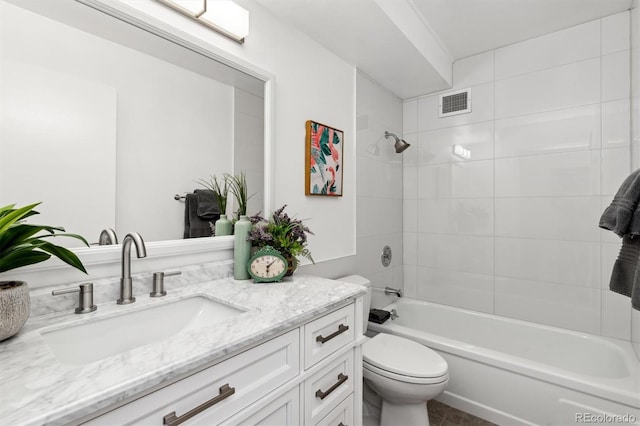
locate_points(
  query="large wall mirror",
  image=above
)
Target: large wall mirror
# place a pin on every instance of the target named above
(105, 122)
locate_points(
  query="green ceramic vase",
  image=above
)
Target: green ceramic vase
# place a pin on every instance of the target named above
(241, 249)
(222, 226)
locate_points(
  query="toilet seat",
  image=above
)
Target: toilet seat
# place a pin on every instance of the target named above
(404, 379)
(404, 360)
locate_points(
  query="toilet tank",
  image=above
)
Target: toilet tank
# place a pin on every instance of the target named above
(360, 280)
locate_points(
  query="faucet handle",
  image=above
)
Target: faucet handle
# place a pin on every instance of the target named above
(85, 297)
(158, 283)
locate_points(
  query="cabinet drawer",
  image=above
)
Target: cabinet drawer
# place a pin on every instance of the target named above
(342, 415)
(327, 388)
(284, 411)
(328, 334)
(251, 375)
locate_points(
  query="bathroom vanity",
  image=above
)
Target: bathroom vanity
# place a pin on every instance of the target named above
(286, 353)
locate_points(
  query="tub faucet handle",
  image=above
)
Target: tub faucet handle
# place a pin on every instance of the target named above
(85, 301)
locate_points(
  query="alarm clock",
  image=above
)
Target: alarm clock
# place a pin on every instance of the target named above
(267, 265)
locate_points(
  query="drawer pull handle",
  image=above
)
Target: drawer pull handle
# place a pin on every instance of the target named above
(172, 420)
(341, 379)
(341, 329)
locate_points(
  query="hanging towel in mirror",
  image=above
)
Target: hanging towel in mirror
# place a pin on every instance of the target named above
(194, 226)
(207, 205)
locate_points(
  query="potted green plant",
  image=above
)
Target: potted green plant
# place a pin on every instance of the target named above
(238, 187)
(221, 192)
(23, 244)
(285, 234)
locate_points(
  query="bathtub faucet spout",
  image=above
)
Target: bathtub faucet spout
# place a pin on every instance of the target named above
(396, 291)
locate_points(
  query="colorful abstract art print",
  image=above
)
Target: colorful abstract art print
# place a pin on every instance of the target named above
(323, 160)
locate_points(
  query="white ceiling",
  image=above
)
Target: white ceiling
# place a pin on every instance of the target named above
(372, 35)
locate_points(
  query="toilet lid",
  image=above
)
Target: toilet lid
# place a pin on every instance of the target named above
(403, 356)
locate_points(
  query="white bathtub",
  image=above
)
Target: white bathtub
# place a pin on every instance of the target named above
(515, 372)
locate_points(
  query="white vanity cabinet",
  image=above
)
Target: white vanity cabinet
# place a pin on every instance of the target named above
(310, 375)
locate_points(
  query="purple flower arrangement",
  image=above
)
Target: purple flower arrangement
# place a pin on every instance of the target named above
(283, 233)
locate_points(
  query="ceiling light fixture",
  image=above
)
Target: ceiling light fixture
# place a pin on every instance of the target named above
(222, 16)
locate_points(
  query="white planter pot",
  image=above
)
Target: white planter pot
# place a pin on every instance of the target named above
(15, 306)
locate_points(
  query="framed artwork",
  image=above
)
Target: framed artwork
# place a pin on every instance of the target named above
(323, 160)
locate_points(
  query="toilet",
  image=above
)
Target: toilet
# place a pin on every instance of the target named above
(404, 373)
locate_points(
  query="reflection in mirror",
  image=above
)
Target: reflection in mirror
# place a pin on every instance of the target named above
(105, 123)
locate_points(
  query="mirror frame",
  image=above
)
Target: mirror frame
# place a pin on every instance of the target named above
(163, 254)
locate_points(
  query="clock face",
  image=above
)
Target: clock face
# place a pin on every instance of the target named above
(268, 267)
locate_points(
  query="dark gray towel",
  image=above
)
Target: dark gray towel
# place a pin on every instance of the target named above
(625, 278)
(194, 227)
(207, 204)
(623, 216)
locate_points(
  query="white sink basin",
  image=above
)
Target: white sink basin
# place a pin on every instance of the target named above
(104, 337)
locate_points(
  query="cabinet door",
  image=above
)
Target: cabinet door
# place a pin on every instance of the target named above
(284, 411)
(218, 392)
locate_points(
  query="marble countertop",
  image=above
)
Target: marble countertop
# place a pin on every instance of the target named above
(35, 388)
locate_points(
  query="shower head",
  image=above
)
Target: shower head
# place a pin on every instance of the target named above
(400, 145)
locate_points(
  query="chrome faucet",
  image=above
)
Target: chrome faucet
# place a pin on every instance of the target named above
(107, 237)
(126, 283)
(396, 291)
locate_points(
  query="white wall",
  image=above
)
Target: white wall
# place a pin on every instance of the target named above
(248, 146)
(311, 83)
(514, 230)
(379, 187)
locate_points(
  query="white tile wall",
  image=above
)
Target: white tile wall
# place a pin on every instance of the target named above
(474, 70)
(462, 289)
(555, 88)
(576, 308)
(616, 164)
(563, 218)
(616, 117)
(380, 191)
(514, 230)
(456, 252)
(616, 315)
(615, 33)
(410, 116)
(410, 273)
(563, 130)
(560, 48)
(456, 180)
(566, 174)
(616, 82)
(574, 263)
(472, 216)
(435, 146)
